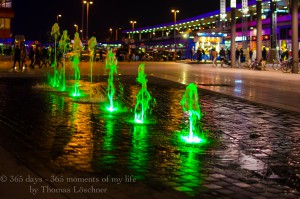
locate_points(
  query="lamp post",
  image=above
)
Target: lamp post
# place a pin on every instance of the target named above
(175, 11)
(233, 32)
(258, 30)
(76, 27)
(117, 38)
(110, 30)
(57, 16)
(245, 11)
(82, 19)
(132, 22)
(88, 3)
(273, 22)
(295, 33)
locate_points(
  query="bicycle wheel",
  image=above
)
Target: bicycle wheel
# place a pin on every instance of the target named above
(286, 68)
(276, 66)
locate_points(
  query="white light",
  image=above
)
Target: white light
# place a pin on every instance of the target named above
(233, 3)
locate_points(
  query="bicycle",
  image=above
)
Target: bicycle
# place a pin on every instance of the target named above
(277, 64)
(248, 64)
(287, 65)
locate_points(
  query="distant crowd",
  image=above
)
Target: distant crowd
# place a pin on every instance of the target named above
(204, 54)
(37, 55)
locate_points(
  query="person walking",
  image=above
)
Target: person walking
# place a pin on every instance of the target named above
(24, 57)
(31, 57)
(199, 54)
(264, 53)
(192, 53)
(237, 57)
(228, 53)
(250, 53)
(241, 55)
(214, 55)
(222, 54)
(17, 56)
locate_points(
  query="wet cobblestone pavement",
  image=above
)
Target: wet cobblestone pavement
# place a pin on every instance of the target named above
(253, 150)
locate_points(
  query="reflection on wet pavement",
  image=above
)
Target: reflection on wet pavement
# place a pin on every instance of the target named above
(250, 145)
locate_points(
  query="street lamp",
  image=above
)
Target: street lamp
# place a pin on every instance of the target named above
(87, 17)
(233, 32)
(110, 30)
(76, 26)
(57, 18)
(132, 22)
(175, 11)
(117, 33)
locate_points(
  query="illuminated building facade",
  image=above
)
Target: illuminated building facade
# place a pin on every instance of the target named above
(209, 31)
(6, 15)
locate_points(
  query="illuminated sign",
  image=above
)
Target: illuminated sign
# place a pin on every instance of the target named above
(223, 9)
(233, 3)
(263, 37)
(245, 8)
(210, 39)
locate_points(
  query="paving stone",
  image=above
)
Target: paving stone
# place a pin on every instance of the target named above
(241, 184)
(212, 186)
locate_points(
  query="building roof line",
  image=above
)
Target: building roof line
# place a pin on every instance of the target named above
(212, 13)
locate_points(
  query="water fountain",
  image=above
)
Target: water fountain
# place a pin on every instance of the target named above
(77, 46)
(191, 106)
(92, 43)
(63, 44)
(111, 65)
(143, 97)
(55, 79)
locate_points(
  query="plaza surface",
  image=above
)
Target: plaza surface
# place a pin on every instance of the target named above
(68, 146)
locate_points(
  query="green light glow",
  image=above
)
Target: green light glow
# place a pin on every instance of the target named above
(139, 153)
(111, 65)
(63, 43)
(55, 79)
(193, 139)
(191, 106)
(76, 47)
(143, 97)
(76, 90)
(188, 177)
(91, 43)
(111, 109)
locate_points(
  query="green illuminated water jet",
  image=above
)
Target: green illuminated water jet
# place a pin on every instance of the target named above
(77, 46)
(63, 44)
(191, 106)
(111, 65)
(92, 43)
(55, 79)
(143, 97)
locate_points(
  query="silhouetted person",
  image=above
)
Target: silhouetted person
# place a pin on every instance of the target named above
(31, 57)
(17, 56)
(264, 54)
(24, 56)
(237, 57)
(222, 54)
(250, 54)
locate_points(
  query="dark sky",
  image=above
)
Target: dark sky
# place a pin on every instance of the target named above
(34, 18)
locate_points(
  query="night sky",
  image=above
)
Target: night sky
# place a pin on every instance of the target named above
(34, 18)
